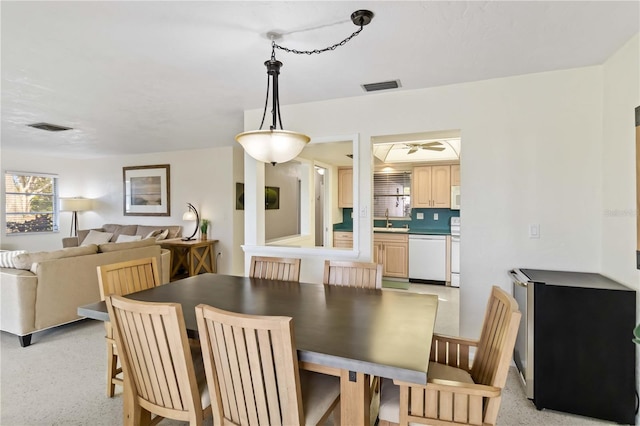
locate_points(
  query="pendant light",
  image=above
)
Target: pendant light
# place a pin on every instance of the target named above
(279, 145)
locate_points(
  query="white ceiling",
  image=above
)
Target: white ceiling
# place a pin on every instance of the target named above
(136, 77)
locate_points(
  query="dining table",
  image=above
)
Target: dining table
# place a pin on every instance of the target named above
(353, 333)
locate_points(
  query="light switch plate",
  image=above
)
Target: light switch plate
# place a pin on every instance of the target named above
(435, 216)
(420, 216)
(534, 231)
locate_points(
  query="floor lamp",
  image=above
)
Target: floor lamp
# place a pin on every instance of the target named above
(75, 205)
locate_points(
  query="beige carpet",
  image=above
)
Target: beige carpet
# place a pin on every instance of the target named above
(60, 380)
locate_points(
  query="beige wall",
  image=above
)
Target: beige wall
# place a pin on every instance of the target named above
(532, 150)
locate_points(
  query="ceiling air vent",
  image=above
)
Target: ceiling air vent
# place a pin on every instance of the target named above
(383, 85)
(49, 127)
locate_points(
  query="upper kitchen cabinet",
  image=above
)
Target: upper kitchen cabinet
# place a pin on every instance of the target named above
(455, 175)
(431, 187)
(345, 187)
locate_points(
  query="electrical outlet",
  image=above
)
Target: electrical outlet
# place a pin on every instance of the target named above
(351, 214)
(435, 216)
(420, 216)
(534, 231)
(363, 211)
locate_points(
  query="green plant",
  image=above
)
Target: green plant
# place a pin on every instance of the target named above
(204, 225)
(636, 333)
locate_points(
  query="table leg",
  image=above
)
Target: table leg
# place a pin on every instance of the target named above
(354, 398)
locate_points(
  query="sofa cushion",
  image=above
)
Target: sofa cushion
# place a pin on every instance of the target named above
(26, 260)
(97, 237)
(109, 247)
(152, 234)
(128, 238)
(6, 258)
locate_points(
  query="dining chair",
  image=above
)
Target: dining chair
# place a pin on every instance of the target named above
(459, 391)
(275, 268)
(121, 279)
(160, 374)
(352, 274)
(251, 365)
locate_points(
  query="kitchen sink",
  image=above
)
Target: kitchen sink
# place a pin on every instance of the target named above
(381, 229)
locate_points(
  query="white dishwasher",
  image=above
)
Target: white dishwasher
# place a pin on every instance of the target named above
(427, 257)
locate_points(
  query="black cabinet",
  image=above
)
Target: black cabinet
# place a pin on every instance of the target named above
(583, 353)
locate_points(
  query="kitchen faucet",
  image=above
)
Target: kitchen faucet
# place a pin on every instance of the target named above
(386, 215)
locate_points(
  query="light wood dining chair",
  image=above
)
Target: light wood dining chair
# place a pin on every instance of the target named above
(458, 391)
(275, 268)
(160, 373)
(352, 274)
(252, 369)
(121, 279)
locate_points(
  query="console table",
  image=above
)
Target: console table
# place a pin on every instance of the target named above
(191, 257)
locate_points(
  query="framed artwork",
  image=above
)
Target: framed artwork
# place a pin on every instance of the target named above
(146, 190)
(271, 197)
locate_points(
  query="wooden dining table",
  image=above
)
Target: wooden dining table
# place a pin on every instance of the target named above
(349, 332)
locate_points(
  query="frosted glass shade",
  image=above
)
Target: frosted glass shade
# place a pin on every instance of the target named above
(273, 146)
(189, 216)
(75, 204)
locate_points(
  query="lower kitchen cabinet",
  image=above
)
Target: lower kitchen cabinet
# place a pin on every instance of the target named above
(392, 251)
(342, 239)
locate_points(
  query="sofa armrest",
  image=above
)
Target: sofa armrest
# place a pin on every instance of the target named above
(70, 242)
(17, 307)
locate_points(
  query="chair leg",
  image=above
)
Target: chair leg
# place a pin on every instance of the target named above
(112, 369)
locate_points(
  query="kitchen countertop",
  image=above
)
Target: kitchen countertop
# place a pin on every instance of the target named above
(416, 231)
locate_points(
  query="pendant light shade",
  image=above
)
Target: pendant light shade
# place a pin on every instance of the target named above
(273, 146)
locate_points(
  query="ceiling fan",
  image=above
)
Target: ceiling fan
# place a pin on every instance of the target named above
(431, 146)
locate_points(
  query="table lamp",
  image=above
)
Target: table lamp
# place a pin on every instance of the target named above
(191, 215)
(75, 205)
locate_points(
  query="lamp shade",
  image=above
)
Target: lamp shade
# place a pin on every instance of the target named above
(189, 216)
(75, 204)
(273, 146)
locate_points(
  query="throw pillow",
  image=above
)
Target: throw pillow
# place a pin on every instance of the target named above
(162, 235)
(97, 237)
(109, 247)
(6, 258)
(153, 233)
(128, 238)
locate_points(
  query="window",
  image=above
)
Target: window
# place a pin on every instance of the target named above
(392, 194)
(31, 201)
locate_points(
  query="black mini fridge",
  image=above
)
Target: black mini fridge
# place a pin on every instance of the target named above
(579, 328)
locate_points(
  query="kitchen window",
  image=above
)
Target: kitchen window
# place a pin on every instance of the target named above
(31, 201)
(392, 194)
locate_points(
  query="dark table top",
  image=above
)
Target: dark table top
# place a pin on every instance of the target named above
(573, 279)
(378, 332)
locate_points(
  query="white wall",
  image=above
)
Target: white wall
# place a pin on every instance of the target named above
(531, 153)
(204, 178)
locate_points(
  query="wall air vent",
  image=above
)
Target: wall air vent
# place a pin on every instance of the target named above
(49, 127)
(383, 85)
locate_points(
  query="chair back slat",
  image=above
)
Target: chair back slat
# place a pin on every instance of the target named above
(155, 356)
(128, 277)
(275, 268)
(352, 274)
(253, 363)
(499, 330)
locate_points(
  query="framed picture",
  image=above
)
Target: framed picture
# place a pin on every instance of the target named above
(271, 197)
(146, 190)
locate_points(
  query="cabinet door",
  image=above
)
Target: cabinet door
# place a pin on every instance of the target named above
(441, 187)
(342, 239)
(421, 187)
(455, 175)
(395, 260)
(345, 188)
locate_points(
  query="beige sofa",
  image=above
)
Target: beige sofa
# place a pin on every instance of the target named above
(45, 289)
(174, 231)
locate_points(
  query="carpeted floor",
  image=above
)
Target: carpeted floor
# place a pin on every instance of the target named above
(60, 380)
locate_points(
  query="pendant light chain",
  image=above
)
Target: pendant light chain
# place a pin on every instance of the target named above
(274, 45)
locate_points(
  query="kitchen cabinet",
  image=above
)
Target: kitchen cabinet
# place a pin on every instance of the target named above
(345, 188)
(431, 187)
(392, 251)
(342, 239)
(455, 175)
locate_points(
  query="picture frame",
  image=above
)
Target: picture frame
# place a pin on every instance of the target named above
(146, 190)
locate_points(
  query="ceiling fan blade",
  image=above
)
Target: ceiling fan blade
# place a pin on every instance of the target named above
(412, 150)
(434, 148)
(429, 144)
